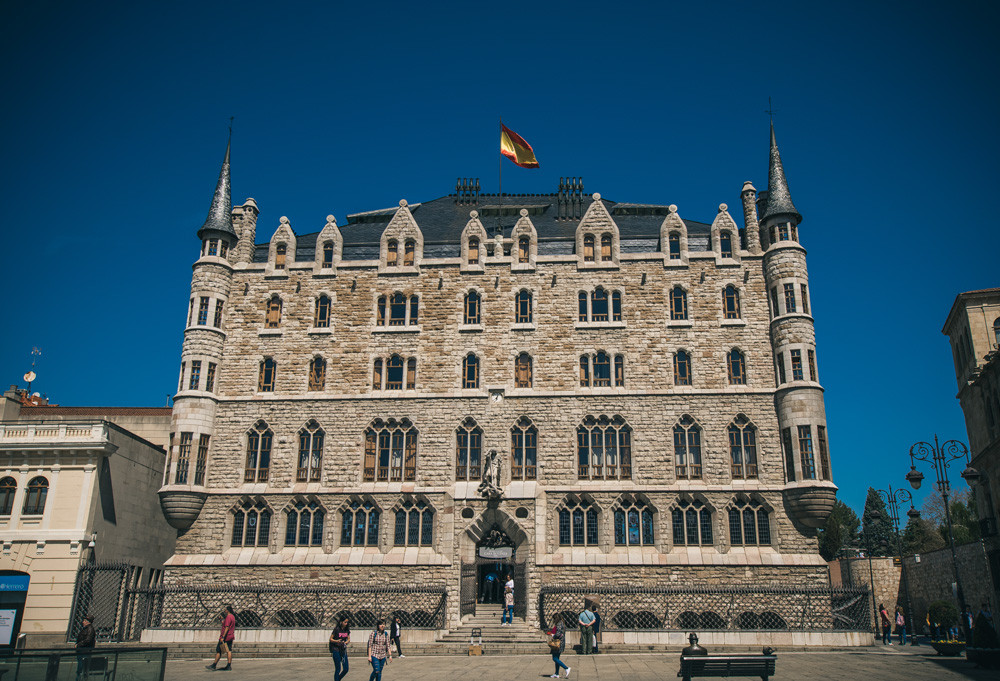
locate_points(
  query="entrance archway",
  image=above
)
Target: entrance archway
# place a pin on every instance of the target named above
(494, 548)
(495, 560)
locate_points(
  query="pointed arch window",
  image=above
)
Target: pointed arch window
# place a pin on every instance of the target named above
(359, 524)
(633, 523)
(280, 252)
(604, 449)
(522, 307)
(682, 368)
(411, 373)
(8, 488)
(397, 310)
(391, 253)
(678, 304)
(473, 308)
(251, 524)
(304, 524)
(736, 367)
(317, 373)
(390, 451)
(602, 370)
(273, 318)
(258, 460)
(726, 243)
(749, 524)
(616, 306)
(674, 245)
(731, 302)
(619, 371)
(409, 251)
(588, 248)
(322, 318)
(599, 305)
(470, 372)
(743, 448)
(414, 524)
(267, 375)
(310, 453)
(377, 375)
(523, 450)
(583, 307)
(35, 495)
(473, 257)
(523, 249)
(394, 373)
(605, 247)
(687, 449)
(691, 523)
(327, 254)
(522, 371)
(578, 523)
(468, 451)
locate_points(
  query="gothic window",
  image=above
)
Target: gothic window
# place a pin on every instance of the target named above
(414, 310)
(470, 372)
(473, 308)
(210, 377)
(317, 373)
(394, 373)
(310, 453)
(789, 298)
(584, 371)
(522, 371)
(619, 371)
(805, 299)
(582, 315)
(391, 252)
(359, 524)
(409, 250)
(411, 374)
(743, 448)
(687, 449)
(390, 451)
(633, 523)
(692, 524)
(218, 314)
(468, 451)
(195, 375)
(522, 307)
(824, 453)
(393, 309)
(616, 306)
(806, 453)
(578, 523)
(203, 311)
(327, 254)
(749, 524)
(674, 242)
(34, 499)
(202, 460)
(604, 449)
(377, 375)
(796, 365)
(602, 370)
(812, 365)
(259, 441)
(726, 243)
(682, 368)
(678, 304)
(279, 256)
(267, 375)
(414, 524)
(304, 524)
(8, 487)
(473, 250)
(183, 459)
(605, 247)
(523, 450)
(397, 310)
(523, 249)
(731, 302)
(736, 367)
(588, 248)
(322, 319)
(599, 305)
(251, 524)
(273, 318)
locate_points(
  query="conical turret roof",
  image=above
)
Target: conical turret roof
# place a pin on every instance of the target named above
(220, 218)
(779, 199)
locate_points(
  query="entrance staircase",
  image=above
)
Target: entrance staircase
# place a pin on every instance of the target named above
(518, 637)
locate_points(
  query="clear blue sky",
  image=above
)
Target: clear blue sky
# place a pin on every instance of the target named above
(114, 123)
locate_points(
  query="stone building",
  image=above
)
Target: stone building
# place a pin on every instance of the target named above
(573, 389)
(973, 326)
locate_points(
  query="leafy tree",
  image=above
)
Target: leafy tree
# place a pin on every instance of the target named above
(839, 532)
(920, 536)
(964, 521)
(878, 532)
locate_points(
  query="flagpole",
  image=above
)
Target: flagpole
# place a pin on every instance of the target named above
(500, 173)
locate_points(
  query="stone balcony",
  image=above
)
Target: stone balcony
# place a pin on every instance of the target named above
(49, 436)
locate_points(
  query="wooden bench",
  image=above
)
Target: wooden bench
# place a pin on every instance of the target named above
(726, 666)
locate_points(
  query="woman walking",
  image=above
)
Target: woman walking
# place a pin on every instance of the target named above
(379, 653)
(339, 639)
(886, 625)
(557, 643)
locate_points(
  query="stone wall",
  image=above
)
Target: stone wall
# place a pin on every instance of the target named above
(932, 578)
(888, 591)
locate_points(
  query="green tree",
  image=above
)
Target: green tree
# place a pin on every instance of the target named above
(839, 532)
(877, 526)
(964, 520)
(920, 536)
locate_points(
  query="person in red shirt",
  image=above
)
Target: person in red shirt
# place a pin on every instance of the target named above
(226, 636)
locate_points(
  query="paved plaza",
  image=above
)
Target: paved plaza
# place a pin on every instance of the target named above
(892, 664)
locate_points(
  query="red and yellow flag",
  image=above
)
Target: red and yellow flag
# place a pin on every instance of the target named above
(516, 149)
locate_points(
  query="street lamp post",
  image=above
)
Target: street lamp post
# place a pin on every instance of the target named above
(892, 498)
(941, 456)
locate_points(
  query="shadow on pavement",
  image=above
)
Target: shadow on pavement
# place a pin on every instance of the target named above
(959, 665)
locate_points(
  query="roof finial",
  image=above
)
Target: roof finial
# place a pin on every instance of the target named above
(220, 217)
(770, 111)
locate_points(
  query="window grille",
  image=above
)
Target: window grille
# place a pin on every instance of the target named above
(749, 524)
(674, 241)
(736, 367)
(789, 298)
(682, 368)
(203, 311)
(599, 305)
(8, 488)
(824, 453)
(522, 307)
(195, 375)
(796, 365)
(726, 244)
(473, 308)
(731, 302)
(322, 319)
(470, 372)
(805, 299)
(218, 314)
(327, 254)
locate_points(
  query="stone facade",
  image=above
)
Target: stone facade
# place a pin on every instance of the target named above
(613, 306)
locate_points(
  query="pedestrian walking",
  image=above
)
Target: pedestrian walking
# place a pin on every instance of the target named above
(86, 639)
(396, 631)
(586, 630)
(886, 625)
(379, 653)
(597, 627)
(901, 626)
(226, 637)
(339, 639)
(557, 643)
(508, 607)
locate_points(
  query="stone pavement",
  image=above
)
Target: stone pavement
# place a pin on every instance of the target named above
(874, 664)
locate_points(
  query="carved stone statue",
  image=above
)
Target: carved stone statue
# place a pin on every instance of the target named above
(490, 486)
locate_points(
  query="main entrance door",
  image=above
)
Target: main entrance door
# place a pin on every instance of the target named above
(483, 580)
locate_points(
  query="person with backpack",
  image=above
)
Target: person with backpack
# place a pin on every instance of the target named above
(339, 639)
(379, 653)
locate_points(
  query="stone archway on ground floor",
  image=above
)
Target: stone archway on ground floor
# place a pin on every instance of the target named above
(493, 547)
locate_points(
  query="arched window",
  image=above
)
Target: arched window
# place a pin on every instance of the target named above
(605, 247)
(616, 306)
(317, 373)
(473, 308)
(411, 373)
(731, 302)
(380, 309)
(749, 524)
(359, 524)
(523, 249)
(578, 523)
(583, 307)
(310, 453)
(470, 371)
(390, 451)
(391, 253)
(691, 523)
(377, 375)
(259, 441)
(522, 371)
(34, 498)
(468, 451)
(251, 524)
(619, 371)
(414, 524)
(522, 307)
(726, 243)
(602, 370)
(273, 319)
(304, 524)
(604, 449)
(743, 448)
(682, 368)
(687, 449)
(8, 487)
(678, 304)
(523, 450)
(736, 367)
(279, 256)
(473, 250)
(394, 373)
(414, 310)
(327, 254)
(674, 242)
(322, 320)
(588, 248)
(599, 305)
(409, 251)
(267, 376)
(633, 523)
(397, 310)
(584, 371)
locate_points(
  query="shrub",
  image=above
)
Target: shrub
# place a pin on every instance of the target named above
(943, 613)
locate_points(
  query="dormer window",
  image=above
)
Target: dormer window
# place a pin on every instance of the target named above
(605, 248)
(588, 248)
(726, 244)
(409, 249)
(279, 256)
(327, 254)
(523, 249)
(473, 250)
(674, 241)
(391, 253)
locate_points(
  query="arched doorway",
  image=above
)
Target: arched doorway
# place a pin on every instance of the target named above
(495, 548)
(495, 560)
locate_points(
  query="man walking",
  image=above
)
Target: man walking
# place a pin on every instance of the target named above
(597, 628)
(226, 637)
(586, 629)
(397, 631)
(379, 653)
(85, 641)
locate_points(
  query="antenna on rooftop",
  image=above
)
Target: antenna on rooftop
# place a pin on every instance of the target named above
(770, 110)
(31, 376)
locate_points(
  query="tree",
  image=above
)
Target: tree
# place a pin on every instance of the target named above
(878, 533)
(839, 532)
(920, 536)
(964, 517)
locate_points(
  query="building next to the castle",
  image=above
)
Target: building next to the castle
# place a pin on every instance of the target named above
(579, 391)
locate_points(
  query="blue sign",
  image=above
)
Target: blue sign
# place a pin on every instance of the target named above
(14, 582)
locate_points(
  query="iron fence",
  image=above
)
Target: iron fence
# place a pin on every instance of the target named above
(702, 609)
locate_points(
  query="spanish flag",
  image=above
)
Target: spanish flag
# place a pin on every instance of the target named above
(516, 149)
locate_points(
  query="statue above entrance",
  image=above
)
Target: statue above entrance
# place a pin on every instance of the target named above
(490, 486)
